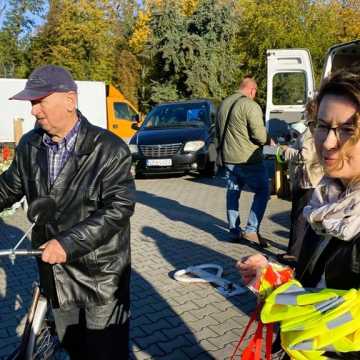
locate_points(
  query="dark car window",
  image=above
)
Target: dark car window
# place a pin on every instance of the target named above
(178, 115)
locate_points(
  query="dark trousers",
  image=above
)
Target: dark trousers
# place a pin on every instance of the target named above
(96, 333)
(300, 198)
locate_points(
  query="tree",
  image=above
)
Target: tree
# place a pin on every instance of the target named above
(141, 33)
(129, 42)
(90, 38)
(213, 66)
(161, 52)
(191, 55)
(266, 24)
(14, 35)
(349, 11)
(126, 74)
(80, 36)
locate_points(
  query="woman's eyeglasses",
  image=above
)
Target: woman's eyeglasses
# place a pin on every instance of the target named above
(343, 132)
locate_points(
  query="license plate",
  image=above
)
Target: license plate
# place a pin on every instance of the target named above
(158, 162)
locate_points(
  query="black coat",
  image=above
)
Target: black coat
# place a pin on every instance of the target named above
(340, 261)
(94, 193)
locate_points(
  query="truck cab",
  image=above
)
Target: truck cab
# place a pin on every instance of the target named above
(290, 83)
(121, 114)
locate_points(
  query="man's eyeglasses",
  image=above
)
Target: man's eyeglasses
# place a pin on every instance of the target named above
(343, 132)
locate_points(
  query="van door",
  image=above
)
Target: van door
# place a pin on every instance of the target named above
(341, 56)
(290, 82)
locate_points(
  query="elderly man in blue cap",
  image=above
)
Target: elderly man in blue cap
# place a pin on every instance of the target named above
(85, 264)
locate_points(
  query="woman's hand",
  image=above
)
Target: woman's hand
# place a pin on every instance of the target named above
(249, 265)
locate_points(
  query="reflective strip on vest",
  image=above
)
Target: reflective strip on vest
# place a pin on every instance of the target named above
(314, 320)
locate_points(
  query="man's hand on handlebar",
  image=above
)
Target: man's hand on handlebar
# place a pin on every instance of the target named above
(53, 252)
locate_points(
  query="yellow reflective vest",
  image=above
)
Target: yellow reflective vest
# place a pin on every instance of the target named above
(314, 320)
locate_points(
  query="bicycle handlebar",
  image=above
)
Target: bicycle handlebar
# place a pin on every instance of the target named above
(20, 252)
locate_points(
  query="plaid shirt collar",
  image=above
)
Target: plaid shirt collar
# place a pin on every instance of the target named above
(68, 141)
(59, 153)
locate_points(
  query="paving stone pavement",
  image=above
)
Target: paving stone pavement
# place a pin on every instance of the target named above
(178, 222)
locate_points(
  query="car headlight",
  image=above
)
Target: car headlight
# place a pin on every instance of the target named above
(194, 145)
(133, 148)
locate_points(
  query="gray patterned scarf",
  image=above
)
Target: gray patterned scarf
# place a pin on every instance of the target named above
(334, 211)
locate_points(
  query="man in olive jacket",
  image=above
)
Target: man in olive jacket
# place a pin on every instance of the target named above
(242, 155)
(85, 264)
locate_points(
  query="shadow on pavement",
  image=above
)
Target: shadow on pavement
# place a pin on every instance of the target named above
(15, 288)
(175, 211)
(179, 253)
(218, 181)
(258, 248)
(283, 233)
(182, 253)
(160, 176)
(156, 329)
(281, 218)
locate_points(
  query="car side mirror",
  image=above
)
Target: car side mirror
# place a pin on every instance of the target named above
(136, 118)
(135, 126)
(42, 210)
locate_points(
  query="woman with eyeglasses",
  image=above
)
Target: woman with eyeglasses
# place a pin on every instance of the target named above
(330, 255)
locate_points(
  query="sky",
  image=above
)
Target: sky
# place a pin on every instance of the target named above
(4, 6)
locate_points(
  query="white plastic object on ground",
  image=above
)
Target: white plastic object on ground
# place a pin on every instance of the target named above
(225, 287)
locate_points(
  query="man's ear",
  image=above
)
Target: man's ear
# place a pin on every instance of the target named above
(71, 101)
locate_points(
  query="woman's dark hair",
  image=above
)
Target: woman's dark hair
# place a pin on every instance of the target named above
(344, 83)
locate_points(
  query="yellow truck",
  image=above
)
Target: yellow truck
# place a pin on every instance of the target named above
(103, 105)
(121, 113)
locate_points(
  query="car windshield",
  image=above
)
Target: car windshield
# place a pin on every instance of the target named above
(178, 115)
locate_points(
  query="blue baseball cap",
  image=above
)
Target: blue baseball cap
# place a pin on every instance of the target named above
(45, 80)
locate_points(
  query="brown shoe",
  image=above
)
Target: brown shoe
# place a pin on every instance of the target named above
(255, 237)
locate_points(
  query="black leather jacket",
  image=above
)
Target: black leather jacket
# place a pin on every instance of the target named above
(94, 193)
(340, 261)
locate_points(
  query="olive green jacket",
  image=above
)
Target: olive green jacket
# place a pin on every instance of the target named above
(246, 133)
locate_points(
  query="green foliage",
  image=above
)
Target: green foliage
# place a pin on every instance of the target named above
(311, 24)
(189, 55)
(160, 50)
(215, 71)
(126, 74)
(14, 35)
(163, 92)
(78, 35)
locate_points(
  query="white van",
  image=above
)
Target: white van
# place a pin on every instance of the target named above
(290, 83)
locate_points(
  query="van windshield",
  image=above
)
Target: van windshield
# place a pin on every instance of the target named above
(178, 115)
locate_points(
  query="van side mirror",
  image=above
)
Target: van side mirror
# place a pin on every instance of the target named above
(136, 118)
(135, 126)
